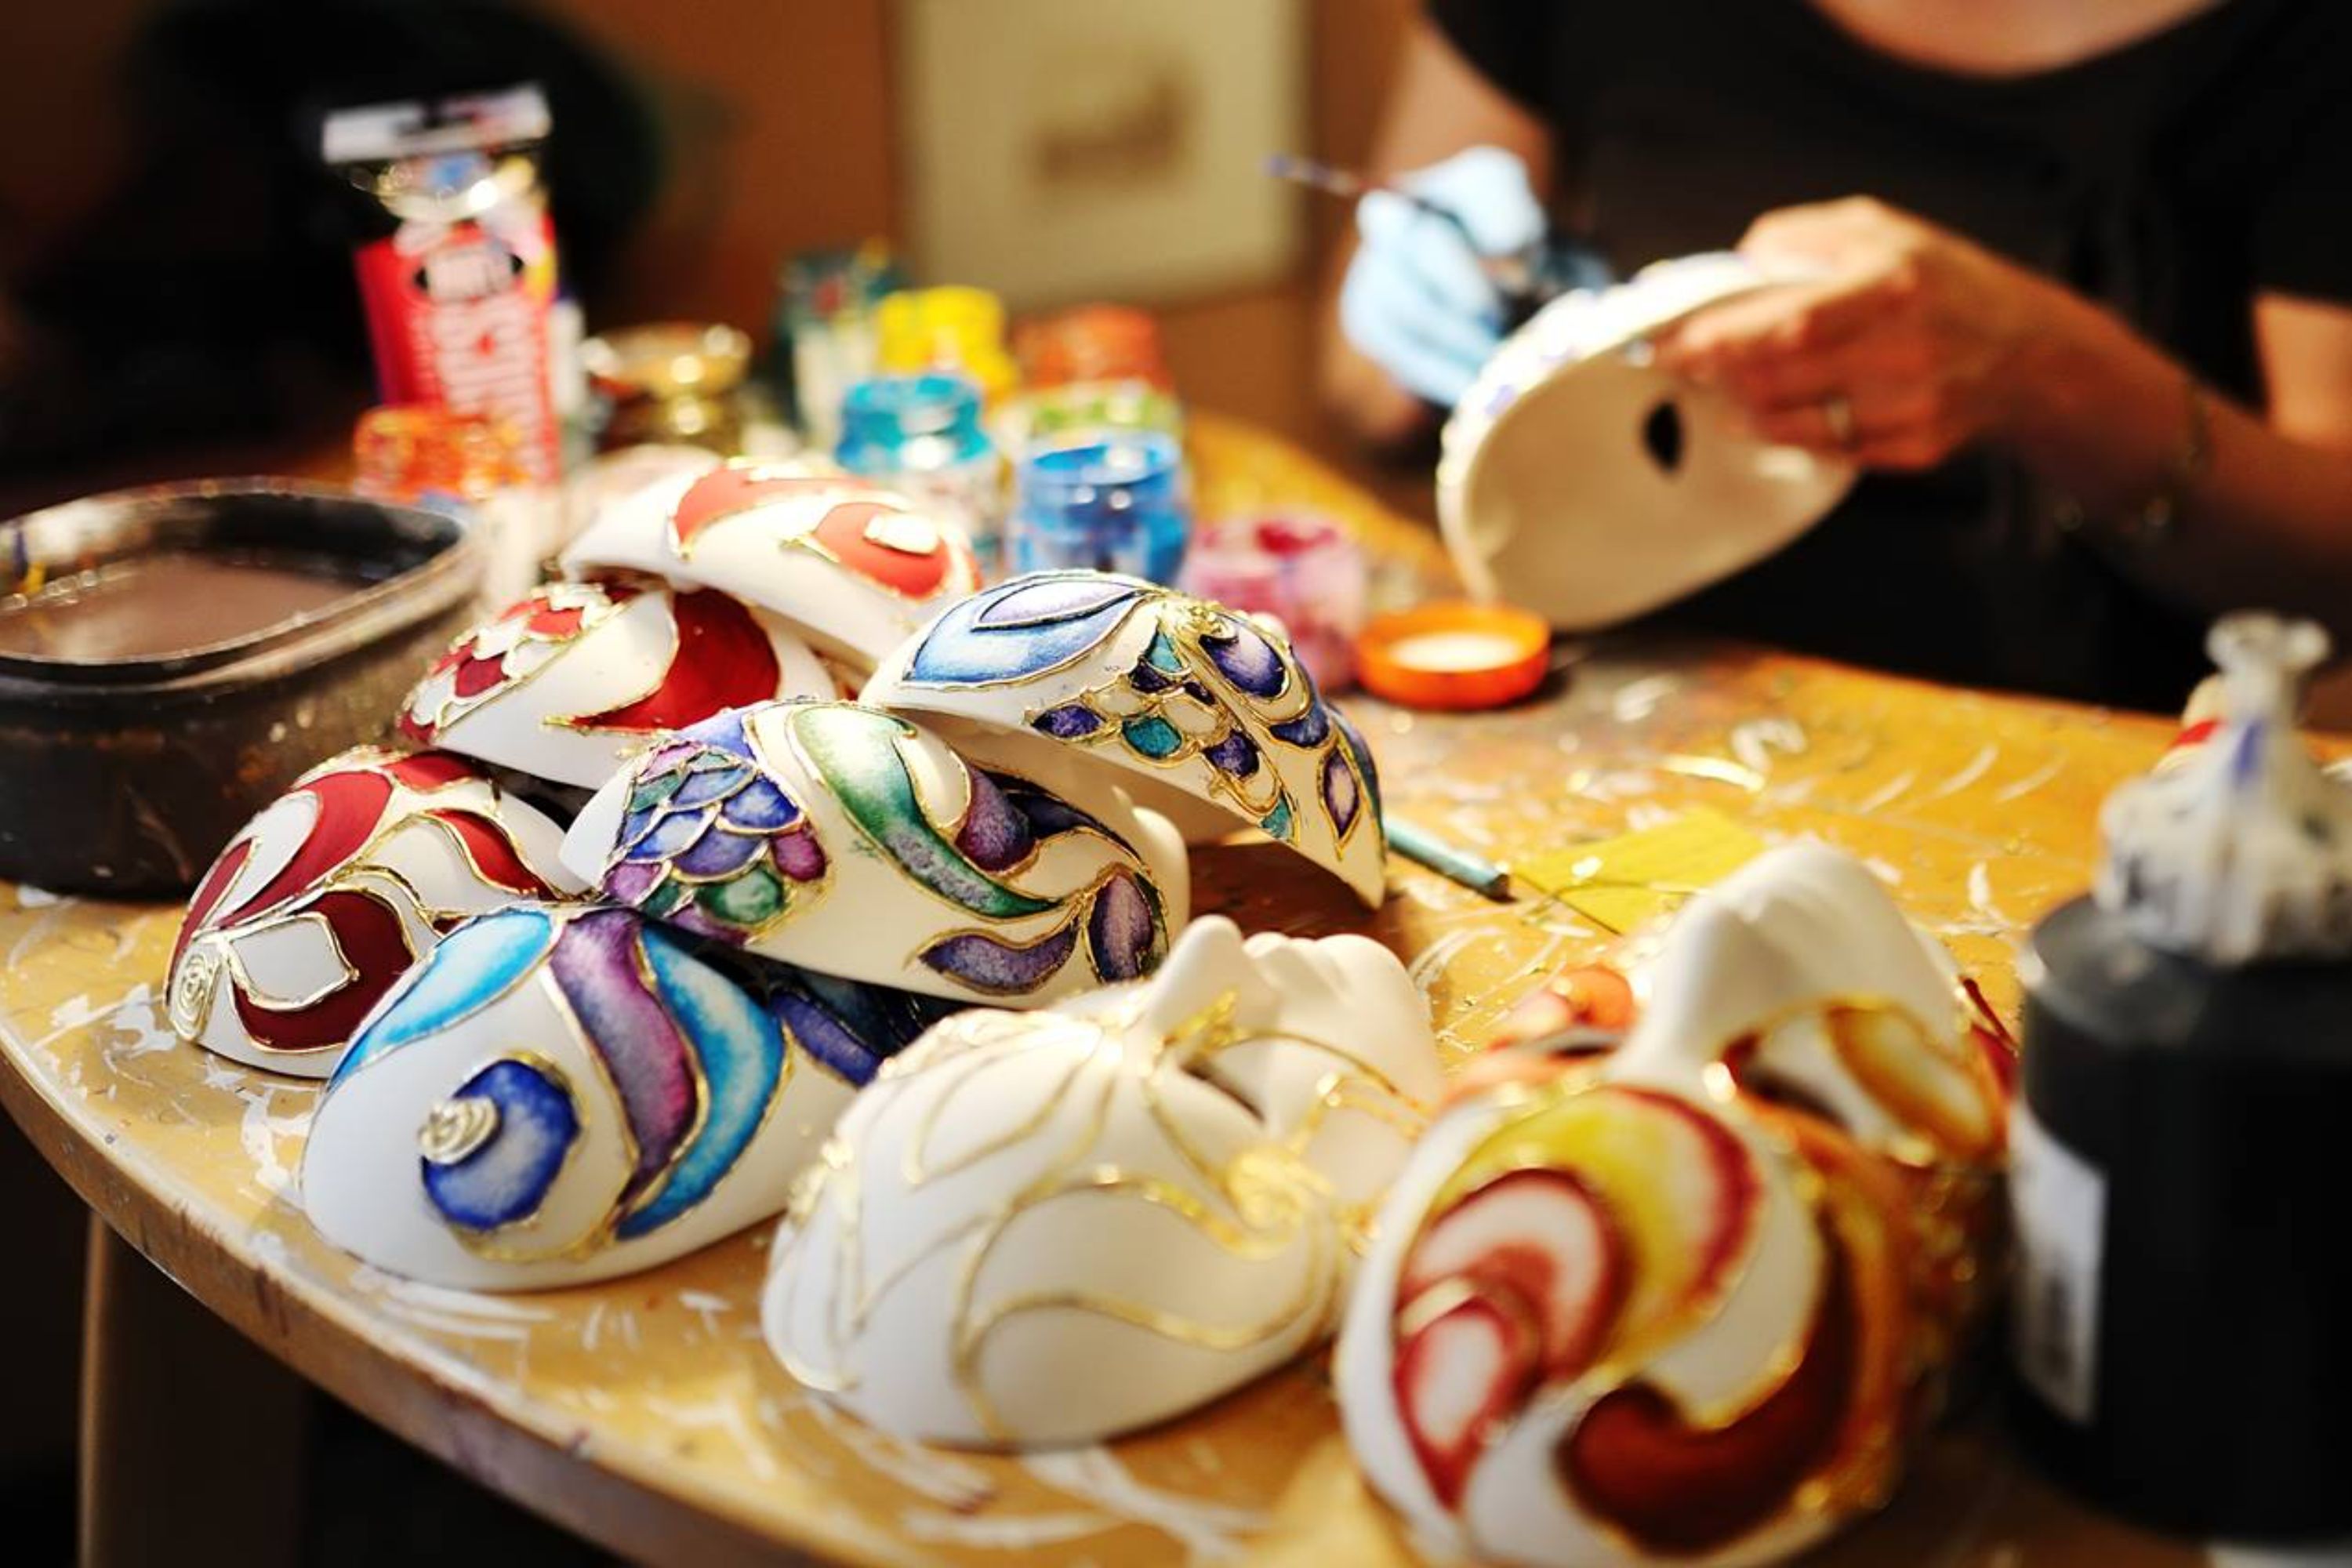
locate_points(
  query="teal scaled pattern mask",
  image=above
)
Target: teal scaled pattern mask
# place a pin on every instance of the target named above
(1206, 712)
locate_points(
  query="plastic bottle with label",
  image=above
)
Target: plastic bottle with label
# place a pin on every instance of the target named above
(2181, 1280)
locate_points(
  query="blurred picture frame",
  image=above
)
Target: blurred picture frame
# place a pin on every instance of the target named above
(1063, 150)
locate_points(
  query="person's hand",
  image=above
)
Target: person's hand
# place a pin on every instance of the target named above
(1416, 301)
(1900, 345)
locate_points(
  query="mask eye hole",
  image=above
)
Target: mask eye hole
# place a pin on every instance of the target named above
(1662, 434)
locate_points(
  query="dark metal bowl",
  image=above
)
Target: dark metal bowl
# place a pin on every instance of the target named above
(125, 776)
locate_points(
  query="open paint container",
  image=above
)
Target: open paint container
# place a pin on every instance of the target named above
(171, 658)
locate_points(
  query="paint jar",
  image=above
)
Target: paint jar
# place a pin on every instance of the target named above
(1305, 571)
(1086, 408)
(825, 331)
(1092, 344)
(1113, 503)
(473, 467)
(921, 434)
(950, 328)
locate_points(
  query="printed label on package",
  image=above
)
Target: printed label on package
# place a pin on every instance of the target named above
(2060, 1202)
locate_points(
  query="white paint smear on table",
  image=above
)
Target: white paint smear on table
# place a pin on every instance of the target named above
(706, 1308)
(2034, 780)
(1643, 817)
(1980, 894)
(39, 929)
(1636, 700)
(1886, 794)
(927, 1472)
(1209, 1532)
(1985, 918)
(1002, 1532)
(457, 1326)
(1430, 960)
(260, 1129)
(731, 1420)
(1753, 741)
(447, 1299)
(141, 1015)
(1975, 768)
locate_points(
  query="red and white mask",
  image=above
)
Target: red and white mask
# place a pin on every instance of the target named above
(336, 889)
(1688, 1302)
(853, 566)
(576, 678)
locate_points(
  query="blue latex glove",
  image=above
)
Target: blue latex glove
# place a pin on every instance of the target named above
(1415, 302)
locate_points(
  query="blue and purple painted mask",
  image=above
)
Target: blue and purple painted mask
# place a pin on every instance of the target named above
(1206, 714)
(564, 1093)
(850, 842)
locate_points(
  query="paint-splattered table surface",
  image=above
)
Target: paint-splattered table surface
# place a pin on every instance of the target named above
(647, 1414)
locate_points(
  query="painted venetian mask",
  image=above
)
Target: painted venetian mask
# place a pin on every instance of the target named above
(849, 842)
(1688, 1304)
(577, 678)
(854, 567)
(1798, 980)
(1214, 721)
(335, 891)
(1049, 1227)
(563, 1094)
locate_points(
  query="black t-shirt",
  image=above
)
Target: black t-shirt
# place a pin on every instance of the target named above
(2174, 179)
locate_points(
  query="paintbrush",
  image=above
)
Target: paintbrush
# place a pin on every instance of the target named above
(1425, 849)
(1514, 273)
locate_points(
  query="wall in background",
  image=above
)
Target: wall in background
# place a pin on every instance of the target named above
(781, 118)
(1059, 153)
(66, 71)
(780, 124)
(779, 113)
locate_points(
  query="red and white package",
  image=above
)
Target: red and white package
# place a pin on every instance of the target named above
(457, 294)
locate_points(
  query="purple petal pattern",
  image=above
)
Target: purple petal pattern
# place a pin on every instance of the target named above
(1341, 798)
(629, 884)
(1353, 739)
(799, 857)
(761, 804)
(1308, 731)
(1071, 722)
(710, 842)
(711, 781)
(668, 834)
(984, 963)
(995, 834)
(1209, 688)
(1049, 814)
(1236, 754)
(719, 853)
(1124, 934)
(597, 965)
(1246, 658)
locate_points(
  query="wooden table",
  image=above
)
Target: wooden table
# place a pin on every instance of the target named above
(646, 1414)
